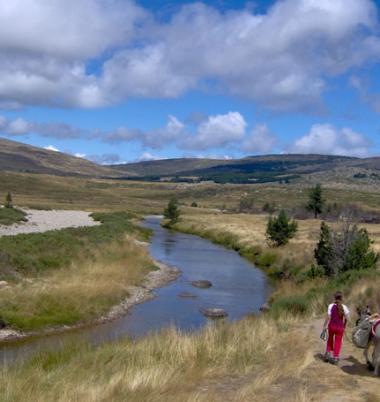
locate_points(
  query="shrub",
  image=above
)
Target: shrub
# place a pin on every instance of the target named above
(8, 201)
(194, 204)
(295, 305)
(269, 207)
(266, 259)
(246, 204)
(280, 229)
(344, 250)
(172, 212)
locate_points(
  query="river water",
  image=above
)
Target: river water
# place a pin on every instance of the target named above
(238, 287)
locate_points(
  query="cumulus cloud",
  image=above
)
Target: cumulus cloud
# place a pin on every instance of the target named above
(79, 155)
(51, 148)
(20, 126)
(280, 59)
(218, 131)
(147, 156)
(261, 140)
(159, 138)
(362, 87)
(105, 159)
(327, 139)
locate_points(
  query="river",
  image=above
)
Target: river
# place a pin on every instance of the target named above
(238, 287)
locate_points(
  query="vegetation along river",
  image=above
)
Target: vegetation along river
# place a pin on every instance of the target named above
(237, 286)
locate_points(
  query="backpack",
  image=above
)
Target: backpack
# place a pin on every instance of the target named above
(361, 333)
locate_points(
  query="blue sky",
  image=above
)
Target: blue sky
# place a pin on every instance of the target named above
(162, 79)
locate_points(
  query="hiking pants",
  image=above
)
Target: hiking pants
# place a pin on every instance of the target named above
(334, 342)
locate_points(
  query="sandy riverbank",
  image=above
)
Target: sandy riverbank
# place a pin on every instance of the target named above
(43, 221)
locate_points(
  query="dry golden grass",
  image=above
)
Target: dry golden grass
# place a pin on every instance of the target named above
(167, 367)
(250, 229)
(82, 291)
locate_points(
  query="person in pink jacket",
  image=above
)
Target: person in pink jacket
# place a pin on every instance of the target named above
(335, 323)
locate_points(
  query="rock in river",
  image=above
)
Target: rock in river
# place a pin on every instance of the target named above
(214, 312)
(202, 284)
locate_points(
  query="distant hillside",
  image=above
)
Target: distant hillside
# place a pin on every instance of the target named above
(166, 167)
(18, 157)
(253, 169)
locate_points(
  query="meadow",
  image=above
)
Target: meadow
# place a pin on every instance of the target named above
(274, 356)
(49, 273)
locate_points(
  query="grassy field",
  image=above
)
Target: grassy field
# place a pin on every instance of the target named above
(9, 216)
(72, 275)
(262, 358)
(271, 357)
(44, 191)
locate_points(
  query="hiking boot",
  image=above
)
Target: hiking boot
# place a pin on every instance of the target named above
(334, 361)
(327, 357)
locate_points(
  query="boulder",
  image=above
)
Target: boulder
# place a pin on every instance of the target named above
(3, 284)
(265, 308)
(202, 284)
(214, 312)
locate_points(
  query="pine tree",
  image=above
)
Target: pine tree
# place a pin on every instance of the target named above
(172, 212)
(8, 201)
(280, 229)
(316, 201)
(323, 251)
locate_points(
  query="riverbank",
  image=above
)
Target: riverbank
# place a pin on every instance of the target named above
(39, 221)
(254, 359)
(136, 295)
(61, 279)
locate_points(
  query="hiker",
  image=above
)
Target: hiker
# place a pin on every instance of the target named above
(335, 323)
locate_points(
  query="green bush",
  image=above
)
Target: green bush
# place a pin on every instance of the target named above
(295, 305)
(266, 259)
(9, 216)
(280, 229)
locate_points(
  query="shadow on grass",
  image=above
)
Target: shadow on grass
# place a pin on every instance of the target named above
(357, 368)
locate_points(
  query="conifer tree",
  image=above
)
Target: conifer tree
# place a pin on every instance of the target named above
(316, 201)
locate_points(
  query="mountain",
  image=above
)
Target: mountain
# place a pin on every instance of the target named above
(18, 157)
(252, 169)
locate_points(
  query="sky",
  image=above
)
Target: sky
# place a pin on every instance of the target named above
(119, 81)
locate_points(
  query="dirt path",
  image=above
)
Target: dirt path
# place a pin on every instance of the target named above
(42, 221)
(316, 381)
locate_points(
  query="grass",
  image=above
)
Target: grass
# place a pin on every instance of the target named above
(9, 216)
(46, 191)
(72, 275)
(82, 291)
(170, 366)
(33, 254)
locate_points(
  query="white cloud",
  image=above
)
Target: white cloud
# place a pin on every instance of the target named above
(51, 148)
(218, 131)
(159, 138)
(326, 139)
(20, 126)
(79, 155)
(280, 59)
(105, 159)
(147, 156)
(362, 86)
(261, 140)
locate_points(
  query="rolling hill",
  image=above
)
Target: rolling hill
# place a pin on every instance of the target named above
(253, 169)
(18, 157)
